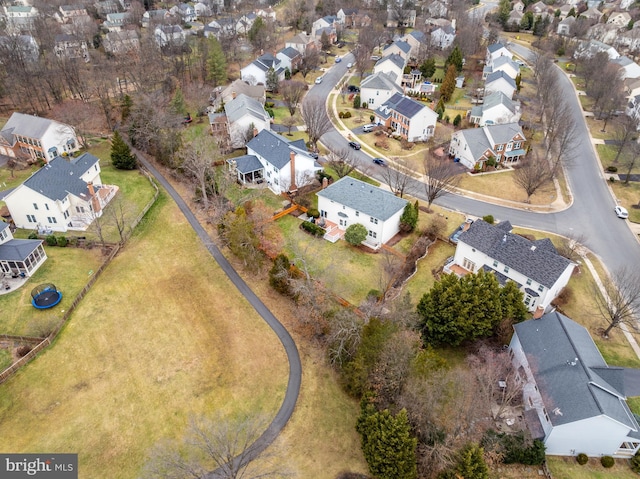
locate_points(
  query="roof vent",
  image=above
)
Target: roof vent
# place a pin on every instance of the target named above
(573, 362)
(533, 247)
(557, 411)
(504, 239)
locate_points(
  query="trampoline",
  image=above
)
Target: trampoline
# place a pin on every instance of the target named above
(45, 296)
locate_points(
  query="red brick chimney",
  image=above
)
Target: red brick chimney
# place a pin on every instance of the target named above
(292, 164)
(95, 203)
(325, 182)
(255, 131)
(233, 95)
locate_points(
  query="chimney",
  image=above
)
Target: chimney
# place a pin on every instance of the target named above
(95, 203)
(255, 131)
(538, 313)
(92, 191)
(292, 163)
(325, 182)
(233, 95)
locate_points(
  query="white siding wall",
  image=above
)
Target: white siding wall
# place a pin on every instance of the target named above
(419, 125)
(57, 136)
(21, 206)
(375, 97)
(596, 436)
(254, 75)
(459, 149)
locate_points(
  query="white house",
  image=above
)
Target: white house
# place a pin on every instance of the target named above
(116, 21)
(172, 35)
(473, 146)
(502, 64)
(284, 165)
(500, 81)
(35, 137)
(24, 47)
(300, 42)
(443, 37)
(412, 120)
(416, 40)
(255, 73)
(565, 26)
(535, 266)
(19, 256)
(406, 19)
(62, 195)
(496, 109)
(155, 17)
(628, 67)
(349, 201)
(574, 402)
(591, 47)
(123, 42)
(496, 51)
(289, 58)
(185, 12)
(70, 46)
(245, 22)
(202, 10)
(378, 88)
(619, 19)
(19, 18)
(399, 47)
(245, 117)
(328, 21)
(392, 63)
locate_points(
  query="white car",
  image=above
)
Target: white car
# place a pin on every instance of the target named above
(621, 212)
(318, 80)
(349, 65)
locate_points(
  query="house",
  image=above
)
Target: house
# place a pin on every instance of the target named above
(328, 22)
(592, 14)
(629, 38)
(155, 17)
(62, 195)
(515, 17)
(503, 64)
(351, 18)
(633, 107)
(285, 165)
(412, 120)
(472, 147)
(496, 51)
(535, 266)
(496, 109)
(220, 27)
(115, 21)
(518, 6)
(539, 8)
(393, 63)
(378, 88)
(255, 73)
(36, 138)
(185, 12)
(565, 26)
(405, 18)
(443, 37)
(416, 40)
(564, 10)
(19, 256)
(619, 19)
(267, 13)
(19, 18)
(70, 46)
(399, 47)
(66, 13)
(169, 35)
(289, 58)
(604, 32)
(245, 22)
(202, 10)
(438, 9)
(245, 118)
(628, 67)
(574, 402)
(23, 47)
(500, 81)
(123, 42)
(238, 87)
(632, 86)
(349, 201)
(300, 42)
(104, 7)
(591, 47)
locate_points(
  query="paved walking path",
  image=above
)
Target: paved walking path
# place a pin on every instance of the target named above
(295, 368)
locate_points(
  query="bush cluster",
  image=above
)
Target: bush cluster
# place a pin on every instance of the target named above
(515, 448)
(607, 461)
(312, 228)
(344, 114)
(612, 169)
(52, 240)
(582, 458)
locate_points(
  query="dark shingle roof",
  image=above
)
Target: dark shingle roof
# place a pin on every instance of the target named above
(568, 370)
(18, 249)
(522, 255)
(274, 148)
(361, 196)
(495, 47)
(290, 52)
(248, 163)
(403, 105)
(60, 177)
(498, 75)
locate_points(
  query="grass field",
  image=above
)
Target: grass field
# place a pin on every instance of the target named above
(501, 185)
(568, 468)
(629, 196)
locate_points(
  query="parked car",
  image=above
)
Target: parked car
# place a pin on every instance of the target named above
(353, 89)
(338, 59)
(349, 65)
(375, 58)
(355, 145)
(379, 161)
(621, 212)
(368, 128)
(318, 80)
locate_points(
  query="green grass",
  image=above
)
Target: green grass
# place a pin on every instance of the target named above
(421, 282)
(9, 180)
(629, 196)
(568, 468)
(6, 359)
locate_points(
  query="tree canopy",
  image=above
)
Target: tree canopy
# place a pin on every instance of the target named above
(355, 234)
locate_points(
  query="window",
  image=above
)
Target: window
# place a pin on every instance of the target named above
(546, 416)
(530, 401)
(80, 209)
(495, 263)
(500, 147)
(35, 206)
(541, 288)
(517, 145)
(468, 265)
(65, 214)
(31, 218)
(51, 219)
(373, 234)
(357, 213)
(506, 269)
(3, 235)
(373, 220)
(46, 205)
(528, 281)
(527, 299)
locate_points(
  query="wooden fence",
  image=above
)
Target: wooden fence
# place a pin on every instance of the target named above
(43, 343)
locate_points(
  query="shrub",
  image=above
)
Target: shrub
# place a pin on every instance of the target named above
(488, 219)
(355, 234)
(371, 118)
(375, 294)
(436, 227)
(356, 101)
(607, 461)
(33, 235)
(612, 169)
(340, 114)
(457, 120)
(564, 297)
(612, 179)
(269, 104)
(312, 228)
(51, 240)
(364, 105)
(23, 350)
(582, 458)
(313, 212)
(62, 241)
(279, 274)
(635, 462)
(270, 112)
(347, 114)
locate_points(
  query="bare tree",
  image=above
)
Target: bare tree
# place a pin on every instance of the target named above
(619, 300)
(400, 13)
(605, 88)
(441, 177)
(345, 334)
(197, 158)
(119, 212)
(310, 61)
(571, 246)
(630, 161)
(400, 177)
(627, 130)
(531, 174)
(469, 30)
(220, 444)
(561, 133)
(292, 93)
(315, 117)
(341, 162)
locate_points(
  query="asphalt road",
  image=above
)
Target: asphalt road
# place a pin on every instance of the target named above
(591, 214)
(295, 368)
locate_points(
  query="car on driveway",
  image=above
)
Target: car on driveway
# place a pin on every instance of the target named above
(379, 161)
(355, 145)
(621, 212)
(368, 128)
(318, 80)
(353, 89)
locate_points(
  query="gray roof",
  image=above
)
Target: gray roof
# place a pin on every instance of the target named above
(495, 47)
(242, 106)
(274, 148)
(568, 370)
(498, 98)
(361, 196)
(403, 105)
(393, 58)
(623, 61)
(242, 87)
(418, 35)
(497, 75)
(18, 249)
(290, 52)
(27, 125)
(248, 163)
(60, 177)
(3, 226)
(401, 44)
(568, 21)
(518, 253)
(266, 61)
(498, 62)
(381, 81)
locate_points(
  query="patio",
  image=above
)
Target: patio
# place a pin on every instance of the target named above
(8, 284)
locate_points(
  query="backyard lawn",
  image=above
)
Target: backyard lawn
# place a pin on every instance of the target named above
(501, 185)
(568, 468)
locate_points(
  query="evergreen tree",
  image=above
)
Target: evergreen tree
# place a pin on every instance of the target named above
(409, 218)
(279, 274)
(440, 108)
(356, 101)
(518, 81)
(504, 10)
(457, 120)
(471, 464)
(572, 12)
(125, 107)
(454, 58)
(512, 302)
(527, 21)
(355, 234)
(216, 62)
(428, 67)
(272, 80)
(387, 444)
(121, 157)
(449, 83)
(178, 105)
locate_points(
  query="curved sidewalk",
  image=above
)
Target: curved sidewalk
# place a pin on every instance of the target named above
(295, 367)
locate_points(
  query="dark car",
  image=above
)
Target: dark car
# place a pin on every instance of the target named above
(355, 145)
(379, 161)
(314, 155)
(353, 89)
